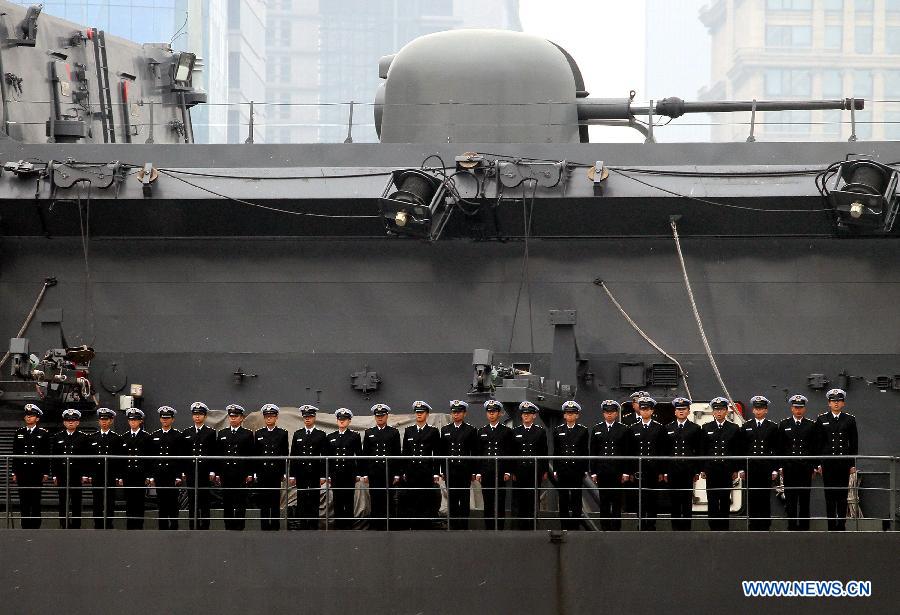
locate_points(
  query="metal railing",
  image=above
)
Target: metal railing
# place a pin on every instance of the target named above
(438, 492)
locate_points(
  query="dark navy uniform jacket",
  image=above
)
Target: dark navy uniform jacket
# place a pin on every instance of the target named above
(419, 443)
(569, 442)
(310, 444)
(608, 442)
(74, 445)
(527, 442)
(383, 442)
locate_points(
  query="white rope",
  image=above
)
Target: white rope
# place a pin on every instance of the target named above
(647, 337)
(687, 285)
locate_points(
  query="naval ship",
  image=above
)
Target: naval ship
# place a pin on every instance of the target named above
(484, 248)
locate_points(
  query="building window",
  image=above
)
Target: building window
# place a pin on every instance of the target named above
(234, 126)
(788, 36)
(234, 69)
(831, 123)
(789, 5)
(234, 14)
(437, 8)
(834, 6)
(788, 122)
(862, 84)
(892, 84)
(863, 6)
(787, 82)
(284, 109)
(892, 7)
(863, 43)
(892, 40)
(284, 72)
(832, 84)
(892, 125)
(834, 37)
(285, 32)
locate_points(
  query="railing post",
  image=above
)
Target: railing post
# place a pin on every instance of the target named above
(196, 512)
(640, 495)
(892, 496)
(497, 479)
(8, 465)
(535, 497)
(105, 490)
(387, 493)
(65, 523)
(327, 493)
(287, 490)
(447, 485)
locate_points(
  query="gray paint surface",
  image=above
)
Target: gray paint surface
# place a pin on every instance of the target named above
(435, 572)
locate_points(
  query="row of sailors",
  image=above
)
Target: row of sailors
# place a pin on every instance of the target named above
(406, 464)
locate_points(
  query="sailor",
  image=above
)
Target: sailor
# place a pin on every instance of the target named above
(308, 475)
(136, 473)
(235, 474)
(721, 441)
(529, 440)
(165, 473)
(797, 437)
(271, 469)
(30, 473)
(631, 413)
(760, 438)
(684, 440)
(421, 474)
(381, 475)
(494, 440)
(458, 439)
(648, 440)
(570, 440)
(343, 444)
(837, 436)
(68, 472)
(609, 438)
(199, 475)
(104, 468)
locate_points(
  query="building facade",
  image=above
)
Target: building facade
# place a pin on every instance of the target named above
(806, 49)
(355, 34)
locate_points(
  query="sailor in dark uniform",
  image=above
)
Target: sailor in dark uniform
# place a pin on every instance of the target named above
(721, 439)
(684, 440)
(235, 475)
(308, 475)
(609, 439)
(105, 468)
(342, 471)
(382, 440)
(29, 474)
(165, 473)
(631, 410)
(135, 446)
(837, 436)
(760, 438)
(494, 440)
(570, 440)
(458, 439)
(271, 469)
(199, 441)
(421, 442)
(648, 440)
(68, 472)
(528, 440)
(629, 416)
(797, 436)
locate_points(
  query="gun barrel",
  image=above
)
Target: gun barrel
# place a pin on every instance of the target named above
(621, 108)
